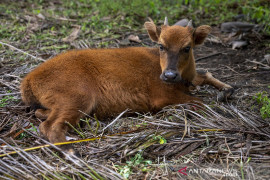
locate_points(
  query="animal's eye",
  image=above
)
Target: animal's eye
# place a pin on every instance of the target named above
(161, 47)
(186, 49)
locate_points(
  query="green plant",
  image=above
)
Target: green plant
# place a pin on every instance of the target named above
(142, 125)
(79, 130)
(259, 11)
(23, 135)
(264, 101)
(161, 139)
(136, 161)
(5, 100)
(33, 128)
(218, 11)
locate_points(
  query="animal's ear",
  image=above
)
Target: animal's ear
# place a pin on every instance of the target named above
(200, 33)
(152, 30)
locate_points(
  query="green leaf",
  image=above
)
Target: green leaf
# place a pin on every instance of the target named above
(162, 141)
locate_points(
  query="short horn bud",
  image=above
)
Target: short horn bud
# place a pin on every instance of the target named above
(166, 23)
(190, 24)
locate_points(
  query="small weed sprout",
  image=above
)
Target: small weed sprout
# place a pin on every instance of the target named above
(94, 130)
(141, 125)
(161, 139)
(136, 161)
(76, 130)
(263, 99)
(5, 100)
(33, 128)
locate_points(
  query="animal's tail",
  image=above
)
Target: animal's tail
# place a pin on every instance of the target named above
(27, 94)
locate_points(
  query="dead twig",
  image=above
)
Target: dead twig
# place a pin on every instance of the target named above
(214, 54)
(9, 86)
(119, 116)
(256, 62)
(12, 47)
(9, 94)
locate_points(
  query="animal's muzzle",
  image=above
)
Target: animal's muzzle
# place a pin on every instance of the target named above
(170, 76)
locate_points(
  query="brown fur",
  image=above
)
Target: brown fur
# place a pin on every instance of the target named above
(108, 81)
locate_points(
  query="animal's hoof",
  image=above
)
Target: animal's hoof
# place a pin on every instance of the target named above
(225, 94)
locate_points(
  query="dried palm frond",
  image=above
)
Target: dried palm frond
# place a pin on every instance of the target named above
(213, 135)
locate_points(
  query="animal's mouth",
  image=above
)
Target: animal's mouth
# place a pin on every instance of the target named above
(171, 81)
(175, 81)
(178, 79)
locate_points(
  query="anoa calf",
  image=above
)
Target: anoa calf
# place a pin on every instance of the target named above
(108, 81)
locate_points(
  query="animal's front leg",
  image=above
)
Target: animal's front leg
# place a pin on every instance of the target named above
(204, 77)
(160, 100)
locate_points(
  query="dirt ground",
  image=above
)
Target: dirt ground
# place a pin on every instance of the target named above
(245, 69)
(238, 67)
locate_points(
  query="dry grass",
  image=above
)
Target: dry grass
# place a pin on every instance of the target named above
(221, 137)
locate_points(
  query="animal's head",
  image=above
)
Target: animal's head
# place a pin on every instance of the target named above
(175, 46)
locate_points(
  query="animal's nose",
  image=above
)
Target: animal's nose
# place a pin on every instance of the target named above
(170, 75)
